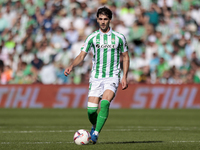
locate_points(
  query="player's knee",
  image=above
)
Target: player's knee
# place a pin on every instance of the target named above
(108, 95)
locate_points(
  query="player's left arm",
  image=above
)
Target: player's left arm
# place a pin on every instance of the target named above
(125, 57)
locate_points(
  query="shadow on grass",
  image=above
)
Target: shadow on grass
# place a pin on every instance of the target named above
(130, 142)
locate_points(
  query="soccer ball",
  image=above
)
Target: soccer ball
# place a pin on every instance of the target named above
(82, 137)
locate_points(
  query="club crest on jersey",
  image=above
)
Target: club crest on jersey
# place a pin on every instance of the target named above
(105, 46)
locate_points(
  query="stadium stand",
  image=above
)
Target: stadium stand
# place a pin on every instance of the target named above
(39, 38)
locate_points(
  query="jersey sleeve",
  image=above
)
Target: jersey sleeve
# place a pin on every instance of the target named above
(87, 44)
(123, 44)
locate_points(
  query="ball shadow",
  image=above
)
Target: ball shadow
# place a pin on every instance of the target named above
(130, 142)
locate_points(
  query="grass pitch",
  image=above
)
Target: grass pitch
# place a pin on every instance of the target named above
(146, 129)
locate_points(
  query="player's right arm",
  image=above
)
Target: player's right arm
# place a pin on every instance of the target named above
(76, 62)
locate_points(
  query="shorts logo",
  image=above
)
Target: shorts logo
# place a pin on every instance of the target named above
(105, 46)
(113, 84)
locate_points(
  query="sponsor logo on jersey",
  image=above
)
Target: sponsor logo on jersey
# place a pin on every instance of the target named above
(105, 46)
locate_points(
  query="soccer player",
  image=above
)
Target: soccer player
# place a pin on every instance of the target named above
(106, 45)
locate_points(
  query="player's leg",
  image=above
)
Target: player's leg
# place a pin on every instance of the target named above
(108, 96)
(92, 108)
(95, 92)
(110, 88)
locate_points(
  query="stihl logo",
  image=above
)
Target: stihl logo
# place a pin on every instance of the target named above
(105, 46)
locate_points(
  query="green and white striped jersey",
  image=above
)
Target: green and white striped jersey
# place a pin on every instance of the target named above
(106, 49)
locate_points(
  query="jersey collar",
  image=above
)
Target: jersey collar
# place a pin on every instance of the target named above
(108, 33)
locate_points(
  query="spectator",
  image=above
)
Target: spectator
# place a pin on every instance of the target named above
(195, 13)
(127, 14)
(175, 60)
(137, 35)
(76, 46)
(163, 27)
(58, 40)
(45, 52)
(165, 49)
(47, 74)
(61, 78)
(10, 16)
(189, 49)
(177, 20)
(153, 14)
(165, 3)
(48, 21)
(65, 21)
(195, 62)
(163, 39)
(72, 34)
(162, 67)
(3, 23)
(151, 48)
(37, 63)
(166, 78)
(6, 75)
(154, 62)
(180, 6)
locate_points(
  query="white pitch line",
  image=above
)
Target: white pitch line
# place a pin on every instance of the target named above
(185, 141)
(44, 126)
(37, 131)
(7, 143)
(154, 127)
(90, 126)
(108, 130)
(35, 142)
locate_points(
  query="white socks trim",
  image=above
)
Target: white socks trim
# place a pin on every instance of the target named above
(92, 104)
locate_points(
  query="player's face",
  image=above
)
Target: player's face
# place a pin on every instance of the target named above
(104, 22)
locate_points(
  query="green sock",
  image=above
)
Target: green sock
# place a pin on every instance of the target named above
(103, 115)
(92, 115)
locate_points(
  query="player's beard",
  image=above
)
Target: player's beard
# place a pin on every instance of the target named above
(104, 27)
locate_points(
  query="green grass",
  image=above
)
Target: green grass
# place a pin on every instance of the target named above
(49, 129)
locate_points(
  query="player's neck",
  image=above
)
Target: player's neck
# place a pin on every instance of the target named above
(106, 30)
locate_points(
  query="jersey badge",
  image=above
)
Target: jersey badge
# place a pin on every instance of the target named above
(113, 40)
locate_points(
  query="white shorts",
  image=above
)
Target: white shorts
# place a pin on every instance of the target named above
(98, 86)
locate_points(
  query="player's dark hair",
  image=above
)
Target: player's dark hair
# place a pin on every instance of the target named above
(104, 11)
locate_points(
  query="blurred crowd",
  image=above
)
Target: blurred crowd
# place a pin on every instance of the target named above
(39, 38)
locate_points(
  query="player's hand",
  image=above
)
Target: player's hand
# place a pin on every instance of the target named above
(67, 71)
(124, 83)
